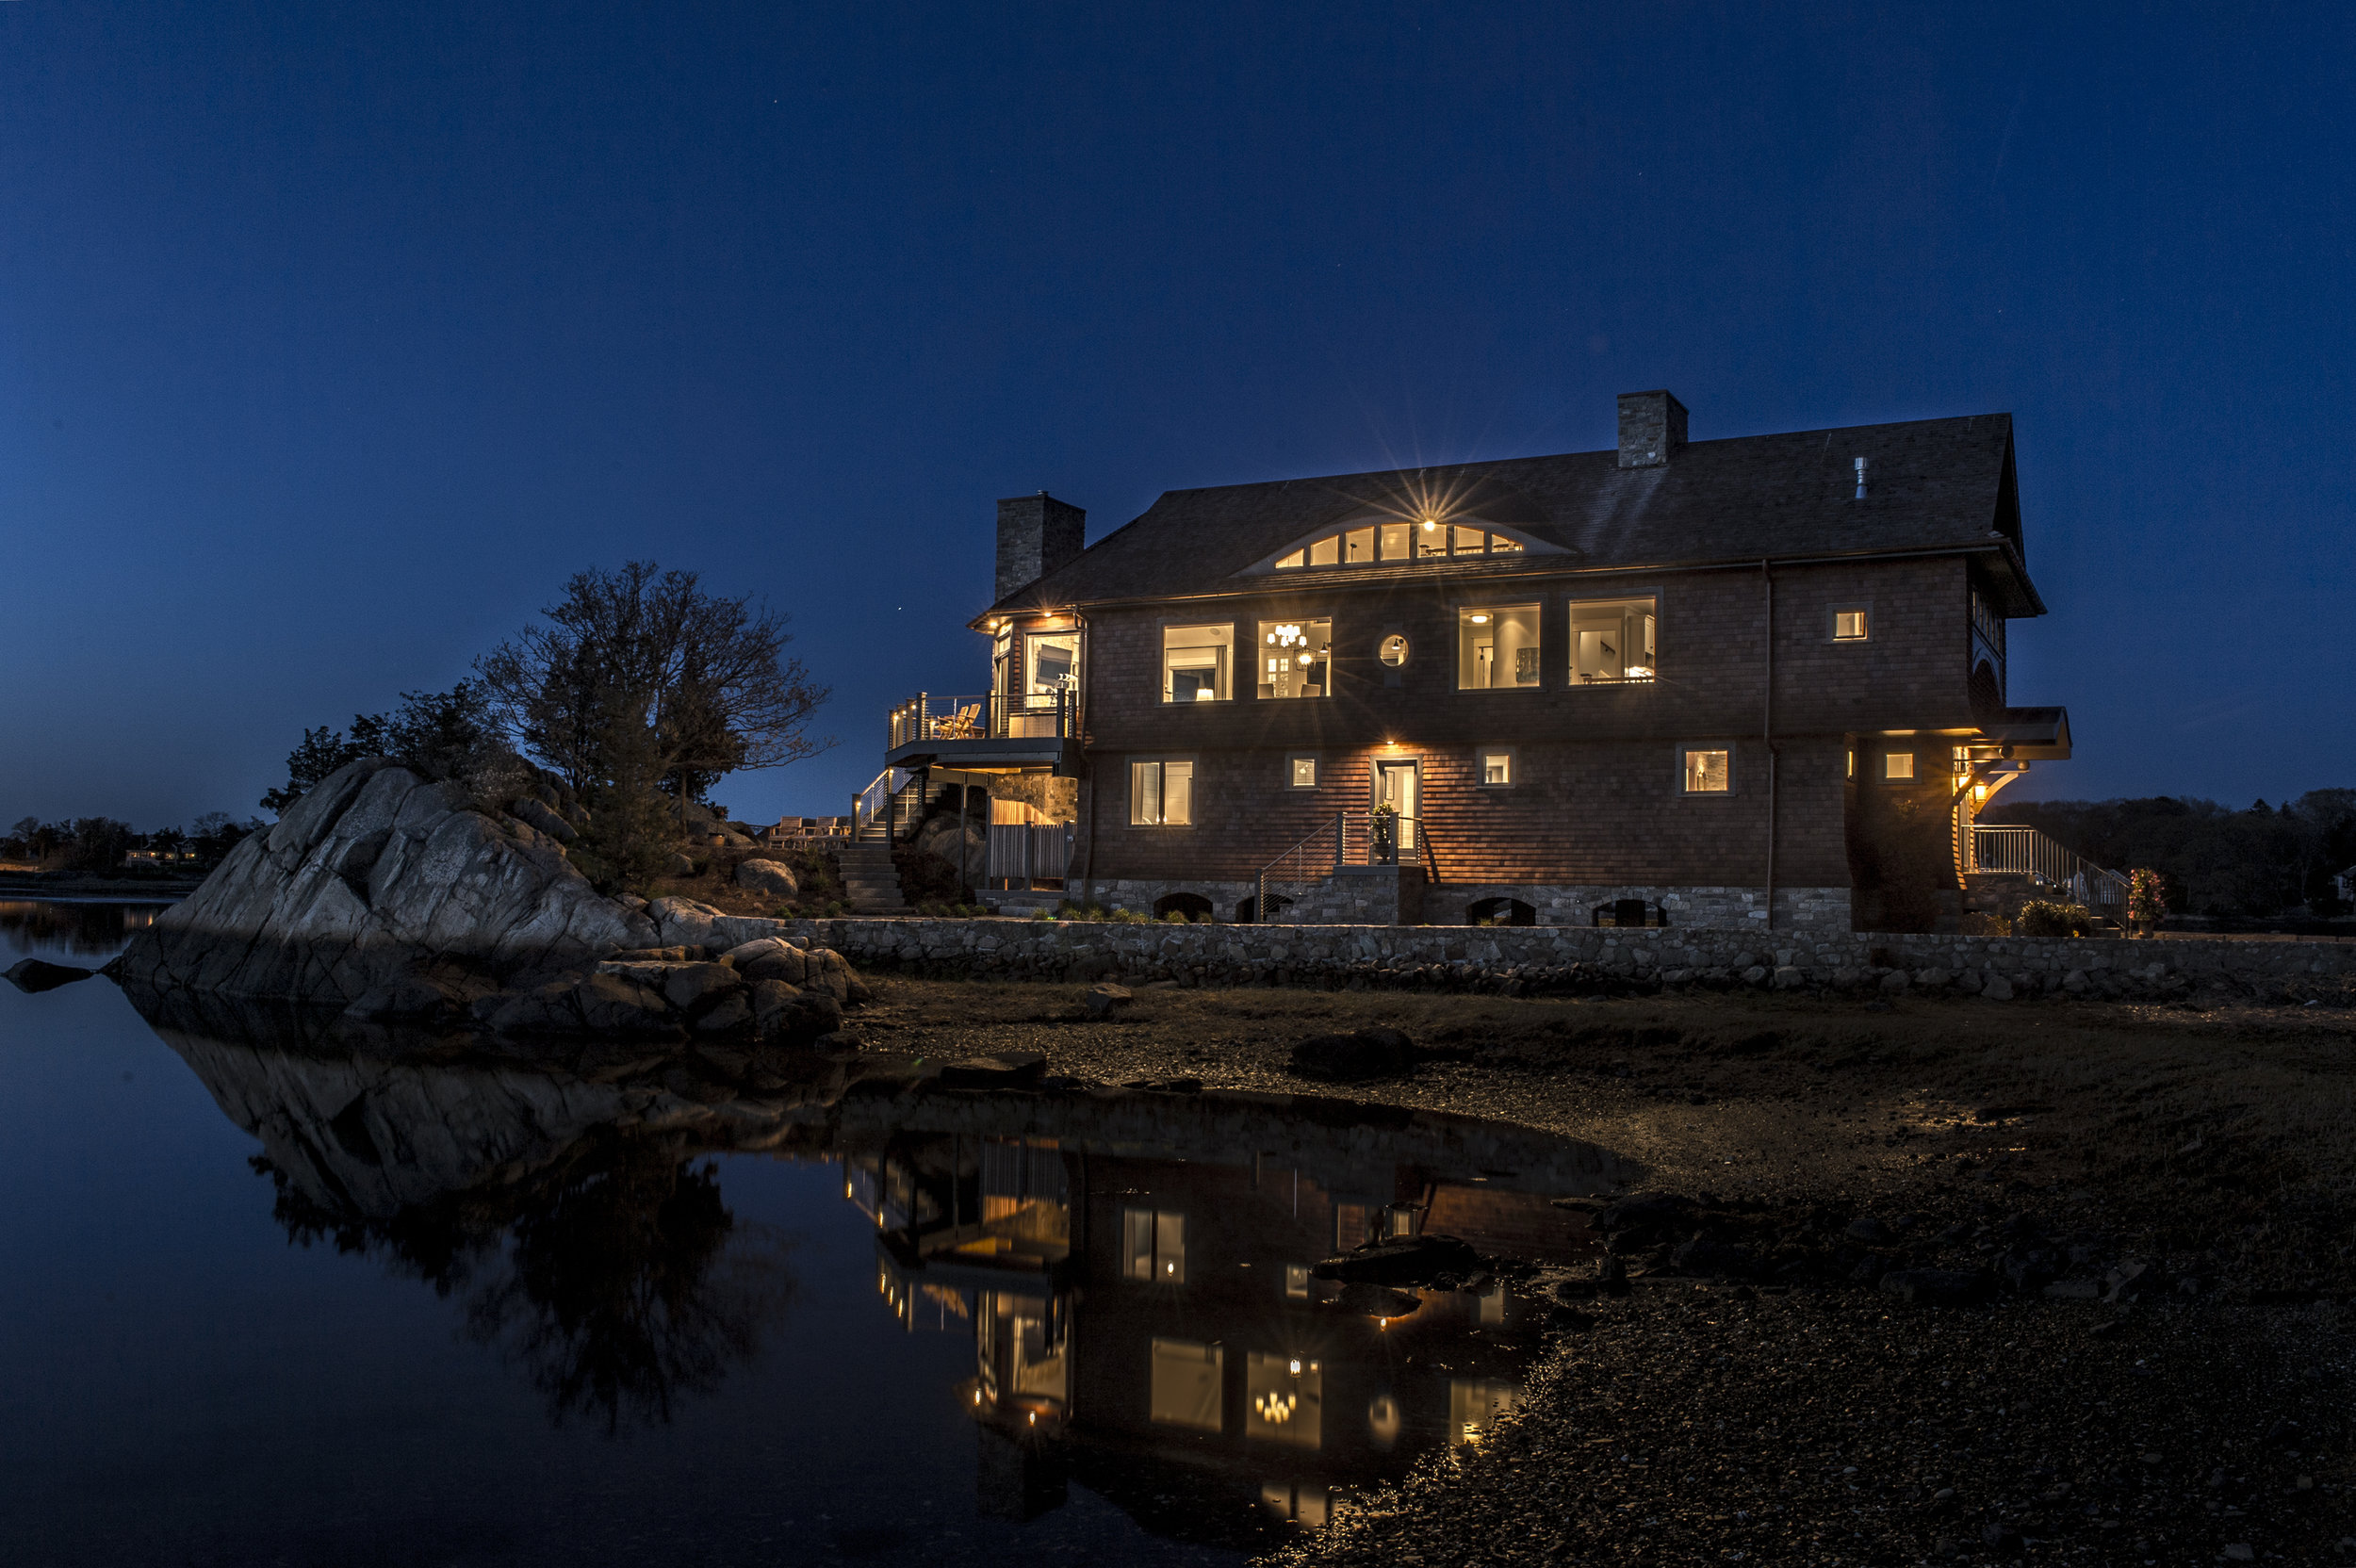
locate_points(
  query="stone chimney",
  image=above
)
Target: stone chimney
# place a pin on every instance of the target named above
(1652, 425)
(1035, 534)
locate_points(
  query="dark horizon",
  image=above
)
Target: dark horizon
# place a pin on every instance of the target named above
(335, 341)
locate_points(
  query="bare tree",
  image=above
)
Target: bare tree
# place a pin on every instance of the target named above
(641, 670)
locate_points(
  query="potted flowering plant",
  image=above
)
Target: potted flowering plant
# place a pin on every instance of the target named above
(1386, 833)
(2147, 899)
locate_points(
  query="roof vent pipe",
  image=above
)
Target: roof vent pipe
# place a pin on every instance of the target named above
(1860, 478)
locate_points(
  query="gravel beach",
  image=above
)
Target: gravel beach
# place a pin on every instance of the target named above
(1912, 1282)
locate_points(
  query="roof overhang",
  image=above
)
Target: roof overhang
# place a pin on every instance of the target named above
(2032, 734)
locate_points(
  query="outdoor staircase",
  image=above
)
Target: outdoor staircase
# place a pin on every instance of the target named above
(871, 884)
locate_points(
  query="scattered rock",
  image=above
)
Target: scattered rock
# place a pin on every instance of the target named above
(767, 879)
(1937, 1287)
(1007, 1070)
(39, 974)
(768, 959)
(1103, 1001)
(677, 865)
(1353, 1059)
(1996, 989)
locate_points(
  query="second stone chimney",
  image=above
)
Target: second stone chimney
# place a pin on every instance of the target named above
(1035, 535)
(1652, 425)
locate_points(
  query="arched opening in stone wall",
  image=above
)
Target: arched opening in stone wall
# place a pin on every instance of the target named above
(1501, 911)
(1193, 905)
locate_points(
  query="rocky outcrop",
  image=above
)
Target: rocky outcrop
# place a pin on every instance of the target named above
(374, 872)
(398, 901)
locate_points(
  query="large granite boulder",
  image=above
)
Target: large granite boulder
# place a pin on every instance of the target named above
(767, 879)
(374, 875)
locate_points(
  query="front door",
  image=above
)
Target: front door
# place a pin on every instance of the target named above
(1398, 786)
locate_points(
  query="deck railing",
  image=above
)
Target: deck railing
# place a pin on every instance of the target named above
(991, 716)
(2021, 850)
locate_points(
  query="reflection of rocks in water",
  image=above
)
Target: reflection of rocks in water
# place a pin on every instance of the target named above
(596, 1259)
(615, 1278)
(85, 928)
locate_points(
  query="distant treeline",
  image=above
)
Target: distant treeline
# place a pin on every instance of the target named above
(96, 845)
(2266, 861)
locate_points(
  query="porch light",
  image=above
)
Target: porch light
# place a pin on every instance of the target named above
(1481, 620)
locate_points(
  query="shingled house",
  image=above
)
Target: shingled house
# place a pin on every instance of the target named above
(1757, 682)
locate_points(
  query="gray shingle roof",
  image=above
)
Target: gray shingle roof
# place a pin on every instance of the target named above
(1933, 485)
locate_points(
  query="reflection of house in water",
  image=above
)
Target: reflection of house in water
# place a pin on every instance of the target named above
(1146, 1323)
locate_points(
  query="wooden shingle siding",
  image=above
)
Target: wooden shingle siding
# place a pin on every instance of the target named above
(1596, 796)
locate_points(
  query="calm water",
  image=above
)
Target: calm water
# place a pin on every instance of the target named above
(265, 1304)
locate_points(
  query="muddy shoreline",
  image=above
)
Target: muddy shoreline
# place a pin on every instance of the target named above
(1758, 1396)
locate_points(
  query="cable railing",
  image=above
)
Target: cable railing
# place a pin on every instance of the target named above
(2023, 851)
(876, 809)
(989, 717)
(1345, 839)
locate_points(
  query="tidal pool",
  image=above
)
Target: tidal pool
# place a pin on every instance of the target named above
(273, 1302)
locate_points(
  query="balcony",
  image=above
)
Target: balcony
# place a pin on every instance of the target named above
(989, 732)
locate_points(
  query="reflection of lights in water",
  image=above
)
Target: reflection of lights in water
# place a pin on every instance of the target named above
(1382, 1419)
(1277, 1408)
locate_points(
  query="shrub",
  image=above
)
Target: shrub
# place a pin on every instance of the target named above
(1043, 913)
(2050, 919)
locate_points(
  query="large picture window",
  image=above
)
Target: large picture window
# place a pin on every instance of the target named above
(1295, 659)
(1611, 641)
(1052, 662)
(1161, 795)
(1197, 663)
(1496, 645)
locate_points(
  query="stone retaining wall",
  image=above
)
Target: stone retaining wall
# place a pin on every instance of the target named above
(1540, 959)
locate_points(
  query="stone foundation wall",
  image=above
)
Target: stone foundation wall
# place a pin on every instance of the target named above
(1381, 895)
(1576, 958)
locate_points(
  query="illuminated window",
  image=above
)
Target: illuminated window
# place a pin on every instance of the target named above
(1153, 1246)
(1296, 1282)
(1475, 1405)
(1391, 543)
(1706, 771)
(1161, 795)
(1849, 626)
(1052, 662)
(1898, 764)
(1302, 771)
(1497, 645)
(1852, 764)
(1283, 1400)
(1393, 650)
(1188, 1383)
(1196, 662)
(1495, 765)
(1611, 641)
(1295, 659)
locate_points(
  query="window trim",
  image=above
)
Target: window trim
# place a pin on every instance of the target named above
(1173, 623)
(1161, 760)
(1914, 767)
(1850, 607)
(1570, 602)
(1512, 755)
(1406, 651)
(1466, 607)
(1316, 765)
(1676, 759)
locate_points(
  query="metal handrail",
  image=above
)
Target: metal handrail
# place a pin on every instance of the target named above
(1347, 839)
(2021, 850)
(989, 715)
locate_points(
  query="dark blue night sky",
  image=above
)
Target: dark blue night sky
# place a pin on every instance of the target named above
(333, 337)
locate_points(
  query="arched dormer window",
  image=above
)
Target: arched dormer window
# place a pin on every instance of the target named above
(1393, 541)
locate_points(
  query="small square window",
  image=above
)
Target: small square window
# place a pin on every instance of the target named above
(1851, 624)
(1495, 764)
(1708, 770)
(1898, 764)
(1302, 771)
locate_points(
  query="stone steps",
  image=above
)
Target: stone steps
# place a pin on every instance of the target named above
(871, 884)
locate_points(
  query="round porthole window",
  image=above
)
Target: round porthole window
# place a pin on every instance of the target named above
(1393, 651)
